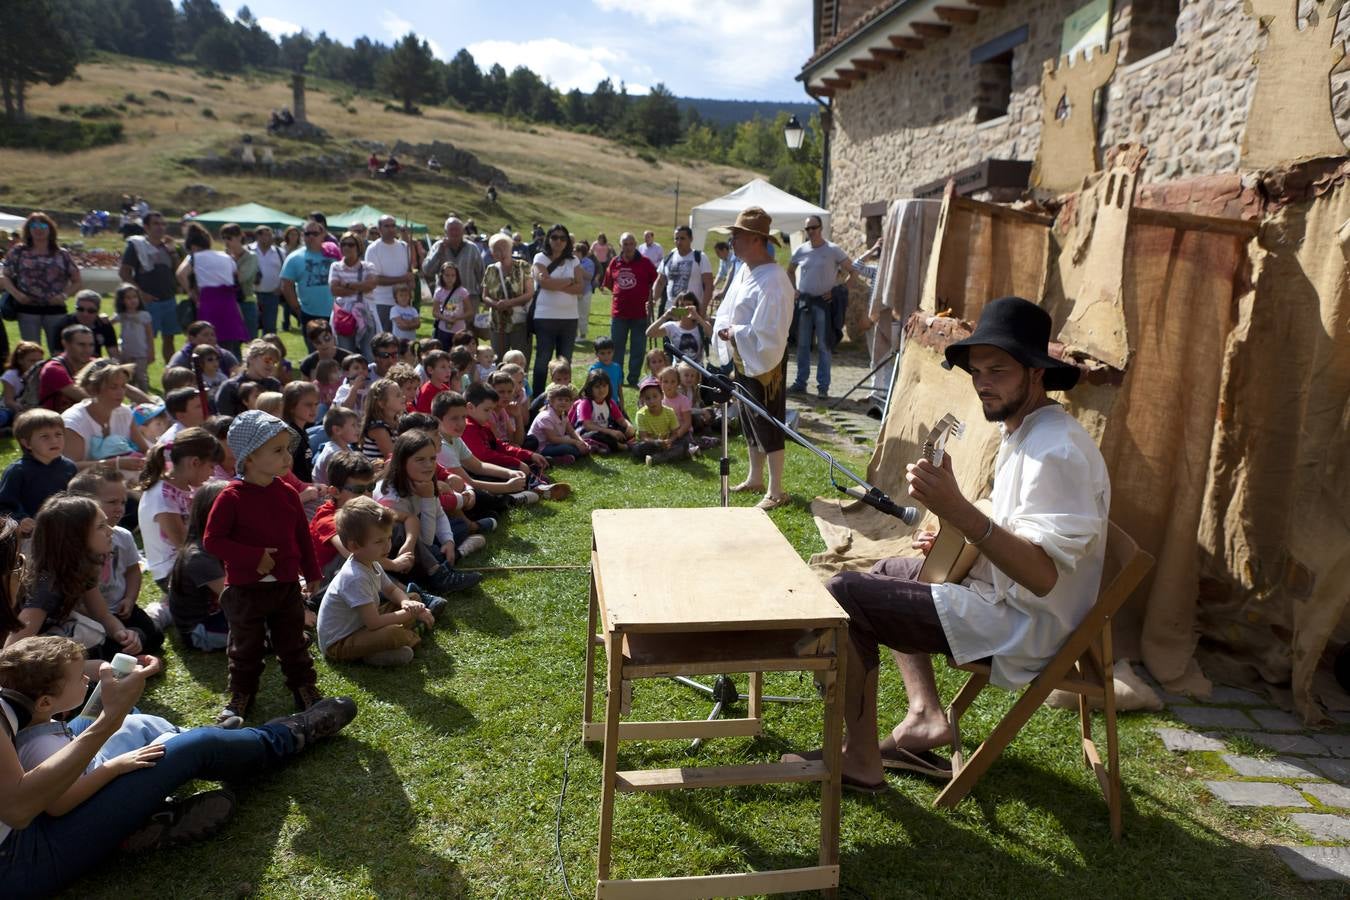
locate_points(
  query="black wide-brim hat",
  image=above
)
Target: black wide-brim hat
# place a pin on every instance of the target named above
(1021, 329)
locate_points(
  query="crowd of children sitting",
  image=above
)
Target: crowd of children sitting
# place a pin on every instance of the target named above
(276, 512)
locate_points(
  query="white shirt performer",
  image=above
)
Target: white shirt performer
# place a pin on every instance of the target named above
(751, 330)
(1042, 553)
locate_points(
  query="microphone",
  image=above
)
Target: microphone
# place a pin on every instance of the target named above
(874, 498)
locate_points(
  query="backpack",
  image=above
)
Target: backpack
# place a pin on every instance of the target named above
(29, 396)
(698, 263)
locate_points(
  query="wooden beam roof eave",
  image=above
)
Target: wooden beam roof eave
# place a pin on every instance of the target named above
(905, 26)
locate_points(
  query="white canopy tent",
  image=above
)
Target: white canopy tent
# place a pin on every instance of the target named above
(11, 223)
(789, 213)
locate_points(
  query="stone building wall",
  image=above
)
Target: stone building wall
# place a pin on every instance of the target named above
(915, 121)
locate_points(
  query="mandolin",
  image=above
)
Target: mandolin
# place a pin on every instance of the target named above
(951, 557)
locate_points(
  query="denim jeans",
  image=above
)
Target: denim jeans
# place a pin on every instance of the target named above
(268, 303)
(250, 312)
(38, 328)
(555, 450)
(54, 851)
(552, 337)
(632, 332)
(815, 319)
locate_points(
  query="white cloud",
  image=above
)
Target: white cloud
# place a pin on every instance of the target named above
(397, 27)
(739, 47)
(565, 65)
(277, 27)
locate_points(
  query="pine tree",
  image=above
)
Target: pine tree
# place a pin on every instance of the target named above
(33, 49)
(463, 80)
(406, 70)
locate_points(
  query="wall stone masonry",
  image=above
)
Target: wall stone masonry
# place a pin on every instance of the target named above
(915, 121)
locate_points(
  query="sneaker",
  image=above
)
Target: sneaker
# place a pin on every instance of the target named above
(558, 490)
(237, 708)
(487, 525)
(399, 656)
(160, 615)
(648, 462)
(823, 394)
(694, 451)
(324, 719)
(183, 821)
(524, 498)
(436, 605)
(470, 544)
(449, 581)
(797, 389)
(229, 723)
(306, 697)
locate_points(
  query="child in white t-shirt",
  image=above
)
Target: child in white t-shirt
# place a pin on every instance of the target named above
(404, 316)
(365, 616)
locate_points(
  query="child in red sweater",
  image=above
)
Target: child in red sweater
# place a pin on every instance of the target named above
(257, 529)
(439, 371)
(482, 441)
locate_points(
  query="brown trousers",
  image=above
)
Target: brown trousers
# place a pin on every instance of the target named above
(254, 611)
(362, 643)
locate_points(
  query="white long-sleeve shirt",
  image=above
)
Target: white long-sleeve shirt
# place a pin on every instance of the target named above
(1051, 488)
(758, 311)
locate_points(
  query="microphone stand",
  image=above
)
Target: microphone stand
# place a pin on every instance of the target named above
(721, 390)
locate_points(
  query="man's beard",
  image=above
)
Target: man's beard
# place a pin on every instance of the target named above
(1004, 412)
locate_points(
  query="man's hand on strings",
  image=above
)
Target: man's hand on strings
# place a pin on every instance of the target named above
(936, 488)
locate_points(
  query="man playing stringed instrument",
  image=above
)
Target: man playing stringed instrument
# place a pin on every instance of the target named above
(1042, 553)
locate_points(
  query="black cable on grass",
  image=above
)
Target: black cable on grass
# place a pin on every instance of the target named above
(557, 829)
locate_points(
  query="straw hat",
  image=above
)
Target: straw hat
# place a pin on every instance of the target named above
(754, 220)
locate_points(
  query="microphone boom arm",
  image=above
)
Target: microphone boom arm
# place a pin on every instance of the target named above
(864, 491)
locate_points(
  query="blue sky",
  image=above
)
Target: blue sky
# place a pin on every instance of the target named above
(747, 50)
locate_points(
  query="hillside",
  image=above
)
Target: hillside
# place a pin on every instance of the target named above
(731, 112)
(184, 129)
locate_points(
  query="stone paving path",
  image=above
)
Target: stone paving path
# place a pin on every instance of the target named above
(1308, 778)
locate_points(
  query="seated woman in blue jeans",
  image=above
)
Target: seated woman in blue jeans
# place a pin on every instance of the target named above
(63, 817)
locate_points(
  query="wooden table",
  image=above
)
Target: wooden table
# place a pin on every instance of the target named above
(735, 597)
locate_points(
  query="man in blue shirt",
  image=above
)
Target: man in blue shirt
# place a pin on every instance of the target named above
(304, 280)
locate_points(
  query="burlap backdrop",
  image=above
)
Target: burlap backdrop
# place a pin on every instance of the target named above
(1275, 534)
(1260, 502)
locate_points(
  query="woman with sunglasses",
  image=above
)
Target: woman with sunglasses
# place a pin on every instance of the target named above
(39, 275)
(560, 279)
(326, 346)
(351, 279)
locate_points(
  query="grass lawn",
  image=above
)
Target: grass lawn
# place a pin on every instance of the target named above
(447, 784)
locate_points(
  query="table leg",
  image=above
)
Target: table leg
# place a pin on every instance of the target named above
(756, 695)
(833, 747)
(613, 700)
(588, 706)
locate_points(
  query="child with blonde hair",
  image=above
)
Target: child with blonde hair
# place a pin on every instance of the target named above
(555, 437)
(365, 616)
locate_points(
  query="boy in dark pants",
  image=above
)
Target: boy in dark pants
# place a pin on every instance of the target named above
(257, 528)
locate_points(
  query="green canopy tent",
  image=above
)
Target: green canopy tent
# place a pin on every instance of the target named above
(369, 216)
(248, 215)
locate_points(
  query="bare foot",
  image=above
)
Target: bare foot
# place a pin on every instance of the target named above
(920, 732)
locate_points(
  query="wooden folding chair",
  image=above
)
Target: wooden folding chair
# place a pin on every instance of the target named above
(1083, 665)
